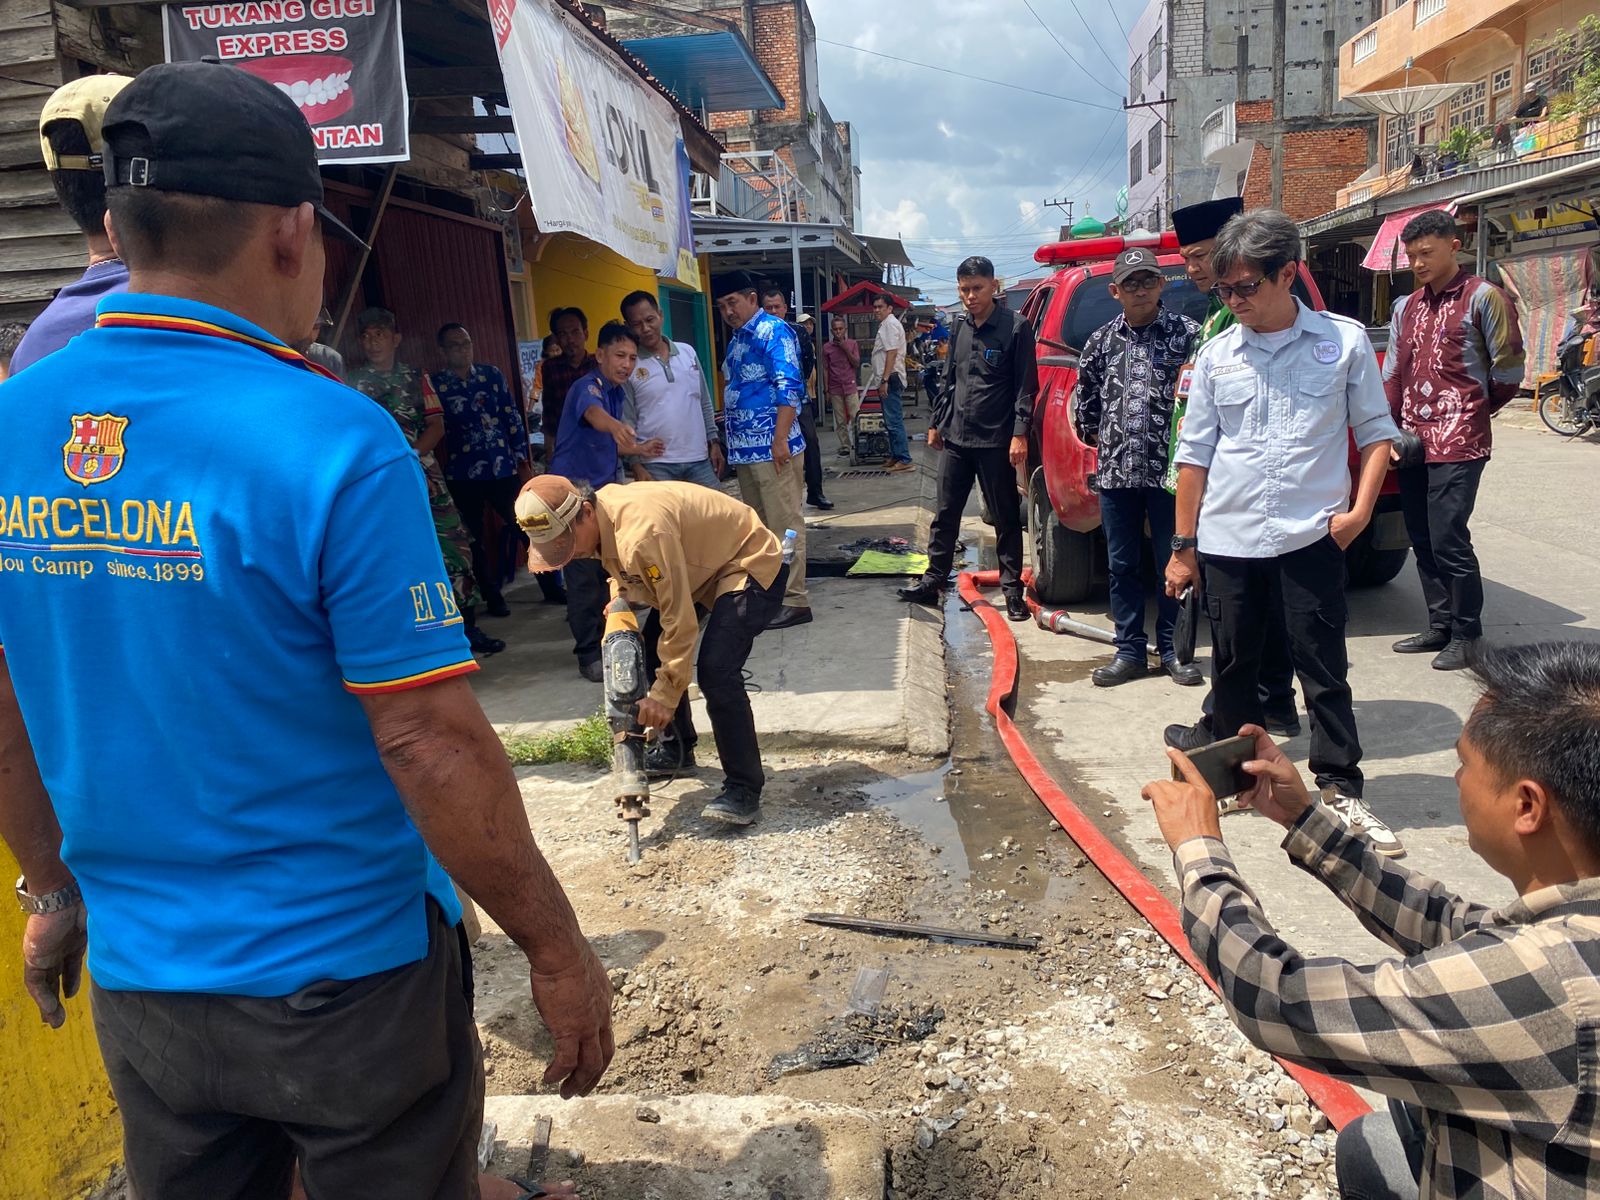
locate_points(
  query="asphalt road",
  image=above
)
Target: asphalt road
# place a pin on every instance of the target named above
(1542, 575)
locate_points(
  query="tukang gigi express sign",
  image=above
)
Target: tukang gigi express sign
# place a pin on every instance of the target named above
(340, 61)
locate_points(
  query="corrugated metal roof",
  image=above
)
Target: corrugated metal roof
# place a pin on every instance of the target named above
(888, 251)
(709, 72)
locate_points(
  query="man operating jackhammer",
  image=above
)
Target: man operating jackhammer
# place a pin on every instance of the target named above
(678, 548)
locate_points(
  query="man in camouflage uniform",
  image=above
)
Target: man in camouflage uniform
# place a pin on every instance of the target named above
(408, 396)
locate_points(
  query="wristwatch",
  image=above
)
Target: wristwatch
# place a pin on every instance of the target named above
(1183, 543)
(57, 901)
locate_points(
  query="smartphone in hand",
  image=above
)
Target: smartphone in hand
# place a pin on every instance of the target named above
(1221, 765)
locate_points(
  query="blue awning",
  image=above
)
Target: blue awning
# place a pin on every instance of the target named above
(709, 72)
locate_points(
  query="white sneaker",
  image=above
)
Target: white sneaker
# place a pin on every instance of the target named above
(1361, 819)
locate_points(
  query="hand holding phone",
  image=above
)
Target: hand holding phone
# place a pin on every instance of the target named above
(1221, 765)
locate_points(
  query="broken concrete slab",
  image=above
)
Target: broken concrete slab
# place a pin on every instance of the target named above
(703, 1147)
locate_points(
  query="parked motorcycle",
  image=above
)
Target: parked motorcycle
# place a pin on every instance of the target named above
(1573, 405)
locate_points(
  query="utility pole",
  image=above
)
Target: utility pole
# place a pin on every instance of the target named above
(1064, 205)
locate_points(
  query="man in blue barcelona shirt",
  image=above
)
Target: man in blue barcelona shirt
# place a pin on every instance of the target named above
(766, 447)
(240, 827)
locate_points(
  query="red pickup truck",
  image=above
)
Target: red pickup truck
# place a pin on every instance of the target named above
(1069, 557)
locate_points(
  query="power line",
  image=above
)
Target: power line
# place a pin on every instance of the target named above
(1126, 36)
(1028, 4)
(1094, 37)
(911, 62)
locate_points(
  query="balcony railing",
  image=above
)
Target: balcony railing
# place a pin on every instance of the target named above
(1366, 45)
(1425, 10)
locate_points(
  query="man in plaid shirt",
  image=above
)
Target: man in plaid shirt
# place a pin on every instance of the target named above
(1484, 1033)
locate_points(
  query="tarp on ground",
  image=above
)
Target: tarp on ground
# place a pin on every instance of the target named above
(881, 562)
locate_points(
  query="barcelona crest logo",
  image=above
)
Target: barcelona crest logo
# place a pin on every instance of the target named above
(94, 452)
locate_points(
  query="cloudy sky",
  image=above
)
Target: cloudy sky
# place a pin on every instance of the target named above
(959, 166)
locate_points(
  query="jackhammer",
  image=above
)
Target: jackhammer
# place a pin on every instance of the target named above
(626, 683)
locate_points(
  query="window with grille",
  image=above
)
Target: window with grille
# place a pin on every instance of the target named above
(1153, 57)
(1501, 81)
(1427, 9)
(1470, 106)
(1552, 67)
(1366, 46)
(1134, 173)
(1136, 78)
(1397, 143)
(1153, 149)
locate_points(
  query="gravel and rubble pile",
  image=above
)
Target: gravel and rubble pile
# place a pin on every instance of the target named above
(1096, 1065)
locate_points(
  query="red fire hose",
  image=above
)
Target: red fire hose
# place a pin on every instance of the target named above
(1337, 1100)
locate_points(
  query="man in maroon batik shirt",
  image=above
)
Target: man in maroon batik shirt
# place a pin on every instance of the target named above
(1454, 360)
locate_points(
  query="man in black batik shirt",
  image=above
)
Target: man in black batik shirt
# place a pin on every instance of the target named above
(1123, 406)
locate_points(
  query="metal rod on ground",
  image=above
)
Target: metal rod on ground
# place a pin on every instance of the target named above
(904, 929)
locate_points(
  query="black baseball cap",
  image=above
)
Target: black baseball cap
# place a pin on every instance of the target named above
(208, 129)
(1136, 261)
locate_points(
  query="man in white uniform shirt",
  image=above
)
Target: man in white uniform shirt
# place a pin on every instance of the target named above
(1264, 495)
(889, 377)
(667, 395)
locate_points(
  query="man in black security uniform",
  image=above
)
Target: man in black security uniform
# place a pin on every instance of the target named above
(980, 422)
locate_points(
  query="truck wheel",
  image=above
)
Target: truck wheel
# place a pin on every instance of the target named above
(1369, 567)
(1061, 557)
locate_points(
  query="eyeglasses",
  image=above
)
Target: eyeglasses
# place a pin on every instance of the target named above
(1140, 283)
(1244, 291)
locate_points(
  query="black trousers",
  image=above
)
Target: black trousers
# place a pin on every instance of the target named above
(374, 1084)
(473, 497)
(1277, 668)
(737, 619)
(808, 427)
(1437, 500)
(991, 467)
(588, 593)
(1239, 601)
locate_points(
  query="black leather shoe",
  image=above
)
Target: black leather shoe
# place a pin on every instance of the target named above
(1188, 737)
(1186, 674)
(735, 806)
(1454, 657)
(1017, 607)
(498, 607)
(922, 593)
(821, 502)
(592, 671)
(665, 759)
(1423, 643)
(1118, 670)
(482, 643)
(789, 615)
(1283, 726)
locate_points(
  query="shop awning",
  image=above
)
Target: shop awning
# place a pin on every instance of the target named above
(1387, 254)
(710, 72)
(891, 252)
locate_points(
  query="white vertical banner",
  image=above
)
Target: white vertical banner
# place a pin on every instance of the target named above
(601, 148)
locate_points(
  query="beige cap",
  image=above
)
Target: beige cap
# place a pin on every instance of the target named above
(84, 101)
(547, 508)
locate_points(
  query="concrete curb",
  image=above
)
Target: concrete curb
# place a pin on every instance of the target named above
(927, 683)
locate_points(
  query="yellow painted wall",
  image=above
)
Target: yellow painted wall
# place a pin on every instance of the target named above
(59, 1132)
(571, 270)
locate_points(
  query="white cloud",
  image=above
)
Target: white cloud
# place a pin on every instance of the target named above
(905, 219)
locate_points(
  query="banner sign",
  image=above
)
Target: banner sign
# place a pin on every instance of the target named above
(601, 148)
(341, 61)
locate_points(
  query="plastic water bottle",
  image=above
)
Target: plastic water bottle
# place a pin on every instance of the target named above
(790, 537)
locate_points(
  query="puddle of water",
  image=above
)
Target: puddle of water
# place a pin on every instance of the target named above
(918, 802)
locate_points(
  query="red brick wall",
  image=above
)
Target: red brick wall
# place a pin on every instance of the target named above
(1316, 163)
(777, 46)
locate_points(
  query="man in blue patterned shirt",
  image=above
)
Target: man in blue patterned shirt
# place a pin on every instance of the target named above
(487, 445)
(765, 446)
